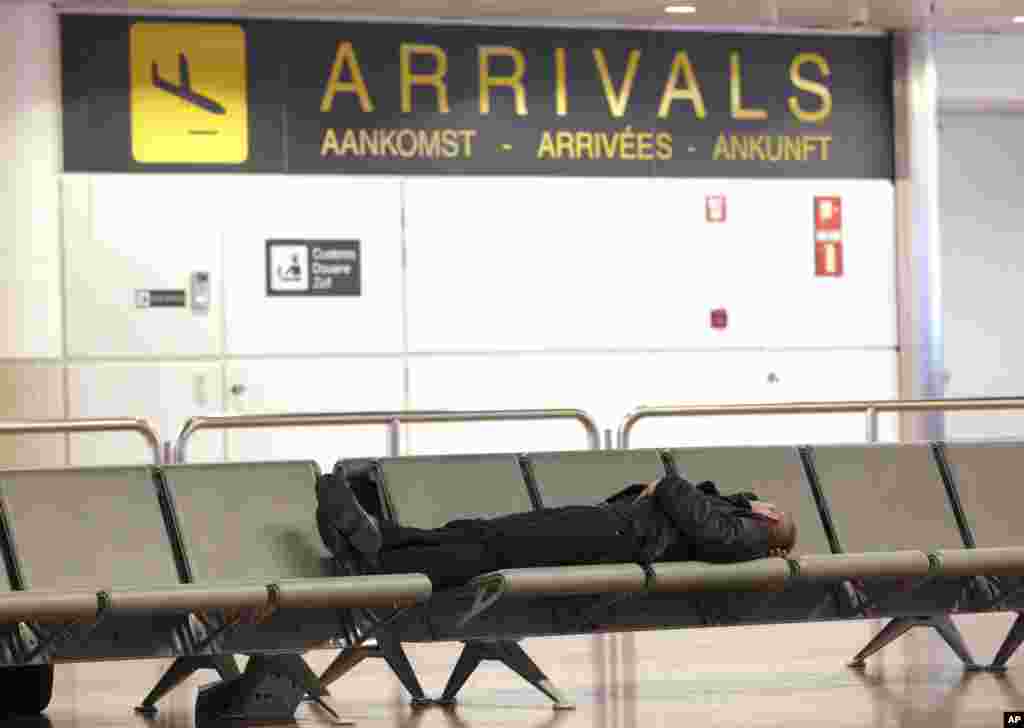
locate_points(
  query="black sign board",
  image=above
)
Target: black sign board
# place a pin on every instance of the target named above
(313, 268)
(160, 298)
(149, 94)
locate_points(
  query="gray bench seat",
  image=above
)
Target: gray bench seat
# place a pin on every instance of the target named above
(76, 531)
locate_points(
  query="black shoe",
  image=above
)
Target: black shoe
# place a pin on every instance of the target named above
(342, 510)
(345, 557)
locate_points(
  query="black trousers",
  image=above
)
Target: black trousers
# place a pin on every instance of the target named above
(460, 550)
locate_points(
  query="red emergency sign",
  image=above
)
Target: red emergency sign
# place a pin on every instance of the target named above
(828, 236)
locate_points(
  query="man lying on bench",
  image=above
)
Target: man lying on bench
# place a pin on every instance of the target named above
(667, 520)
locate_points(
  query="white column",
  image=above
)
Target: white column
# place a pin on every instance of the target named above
(918, 248)
(31, 347)
(29, 201)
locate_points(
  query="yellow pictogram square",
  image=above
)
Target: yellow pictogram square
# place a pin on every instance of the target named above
(189, 93)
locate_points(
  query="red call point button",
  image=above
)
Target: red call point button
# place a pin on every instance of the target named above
(719, 318)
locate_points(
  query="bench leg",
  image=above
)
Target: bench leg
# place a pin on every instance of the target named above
(896, 628)
(470, 658)
(346, 661)
(948, 630)
(513, 656)
(392, 651)
(1010, 644)
(180, 671)
(516, 658)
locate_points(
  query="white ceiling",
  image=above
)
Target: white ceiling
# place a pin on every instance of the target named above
(839, 15)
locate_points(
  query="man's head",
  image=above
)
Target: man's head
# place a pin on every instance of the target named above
(781, 528)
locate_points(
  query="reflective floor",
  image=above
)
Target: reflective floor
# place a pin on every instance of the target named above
(792, 675)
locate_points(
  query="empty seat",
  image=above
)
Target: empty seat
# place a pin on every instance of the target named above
(73, 528)
(985, 476)
(873, 489)
(587, 477)
(248, 522)
(891, 498)
(253, 523)
(77, 531)
(429, 491)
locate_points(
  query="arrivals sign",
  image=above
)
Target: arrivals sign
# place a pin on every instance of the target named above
(147, 94)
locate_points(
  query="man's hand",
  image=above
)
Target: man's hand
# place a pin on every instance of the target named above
(649, 490)
(768, 510)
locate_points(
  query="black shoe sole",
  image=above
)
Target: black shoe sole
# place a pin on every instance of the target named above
(347, 515)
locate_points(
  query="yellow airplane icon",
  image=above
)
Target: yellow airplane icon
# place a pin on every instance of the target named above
(183, 90)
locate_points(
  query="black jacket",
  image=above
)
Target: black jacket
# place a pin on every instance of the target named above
(686, 522)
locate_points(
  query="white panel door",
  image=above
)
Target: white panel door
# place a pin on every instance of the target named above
(351, 384)
(164, 393)
(326, 208)
(128, 233)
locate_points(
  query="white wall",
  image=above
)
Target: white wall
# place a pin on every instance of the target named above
(975, 66)
(543, 264)
(520, 293)
(983, 262)
(981, 199)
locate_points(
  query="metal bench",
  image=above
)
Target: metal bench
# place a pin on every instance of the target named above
(98, 568)
(251, 523)
(891, 511)
(857, 557)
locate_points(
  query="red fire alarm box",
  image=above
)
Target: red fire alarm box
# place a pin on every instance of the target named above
(828, 236)
(714, 208)
(719, 318)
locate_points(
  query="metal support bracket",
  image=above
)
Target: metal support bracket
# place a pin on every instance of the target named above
(869, 607)
(587, 620)
(1000, 599)
(488, 593)
(233, 620)
(74, 629)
